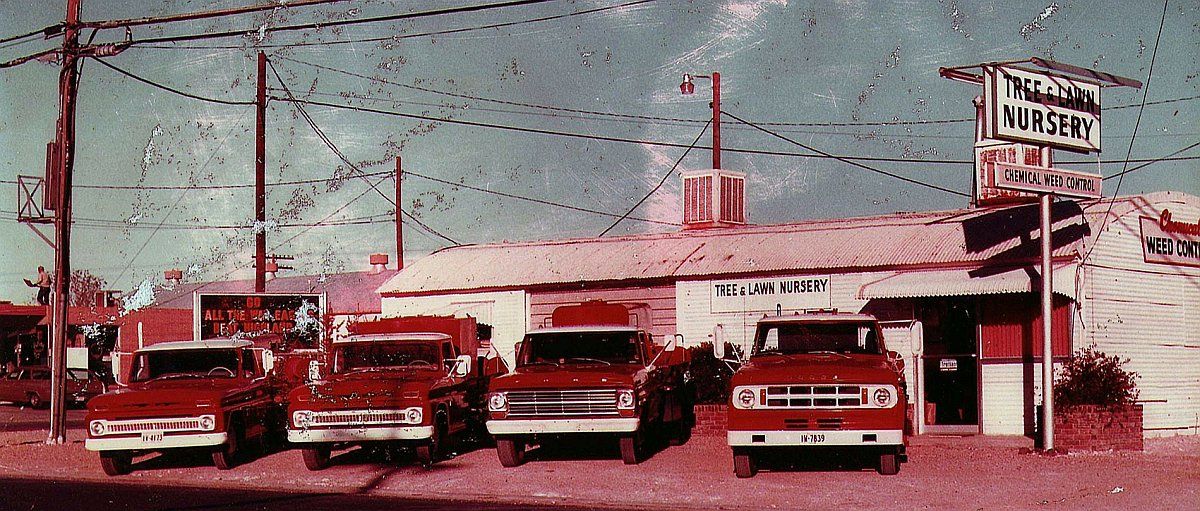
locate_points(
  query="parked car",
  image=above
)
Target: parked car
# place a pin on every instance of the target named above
(31, 385)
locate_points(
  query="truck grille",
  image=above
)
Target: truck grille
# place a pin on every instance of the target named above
(166, 425)
(814, 396)
(359, 417)
(549, 403)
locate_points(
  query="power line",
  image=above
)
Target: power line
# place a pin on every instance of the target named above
(158, 20)
(329, 143)
(668, 174)
(849, 161)
(1138, 122)
(215, 187)
(171, 89)
(1153, 161)
(405, 36)
(49, 31)
(337, 23)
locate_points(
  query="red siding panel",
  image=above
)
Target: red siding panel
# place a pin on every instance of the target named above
(1011, 326)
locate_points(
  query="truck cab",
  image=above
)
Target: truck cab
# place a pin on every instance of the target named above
(590, 373)
(818, 381)
(399, 382)
(211, 394)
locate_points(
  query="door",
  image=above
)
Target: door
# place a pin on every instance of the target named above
(951, 366)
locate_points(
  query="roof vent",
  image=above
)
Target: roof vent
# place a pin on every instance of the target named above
(713, 198)
(173, 277)
(378, 263)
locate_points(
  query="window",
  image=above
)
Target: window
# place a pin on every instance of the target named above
(375, 355)
(580, 347)
(824, 337)
(250, 365)
(194, 363)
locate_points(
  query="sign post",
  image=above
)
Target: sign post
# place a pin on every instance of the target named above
(1050, 108)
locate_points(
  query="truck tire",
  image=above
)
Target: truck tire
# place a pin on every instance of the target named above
(316, 458)
(35, 400)
(431, 450)
(889, 464)
(224, 456)
(743, 465)
(631, 449)
(116, 463)
(511, 452)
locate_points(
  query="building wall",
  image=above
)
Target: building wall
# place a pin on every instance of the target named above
(507, 312)
(1150, 314)
(660, 299)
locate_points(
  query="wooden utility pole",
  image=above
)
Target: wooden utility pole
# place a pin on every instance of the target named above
(260, 178)
(68, 82)
(399, 223)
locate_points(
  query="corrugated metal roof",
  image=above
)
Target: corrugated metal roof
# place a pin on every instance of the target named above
(965, 282)
(968, 237)
(346, 293)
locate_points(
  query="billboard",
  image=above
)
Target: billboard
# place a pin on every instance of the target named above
(1042, 108)
(294, 319)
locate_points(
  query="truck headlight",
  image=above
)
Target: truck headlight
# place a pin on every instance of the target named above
(96, 428)
(207, 422)
(744, 399)
(497, 402)
(302, 418)
(413, 415)
(882, 397)
(625, 399)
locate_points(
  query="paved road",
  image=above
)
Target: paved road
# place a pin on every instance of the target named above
(15, 417)
(35, 495)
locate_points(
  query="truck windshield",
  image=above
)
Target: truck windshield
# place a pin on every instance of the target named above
(375, 355)
(580, 348)
(826, 337)
(198, 363)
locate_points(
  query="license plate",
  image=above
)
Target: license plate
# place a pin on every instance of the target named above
(152, 437)
(814, 438)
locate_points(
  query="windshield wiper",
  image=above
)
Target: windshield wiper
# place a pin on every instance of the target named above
(586, 359)
(541, 362)
(172, 376)
(828, 352)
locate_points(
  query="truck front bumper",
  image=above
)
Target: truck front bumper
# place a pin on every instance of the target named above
(556, 426)
(135, 443)
(359, 434)
(861, 437)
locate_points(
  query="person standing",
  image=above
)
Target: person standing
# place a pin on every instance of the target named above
(43, 285)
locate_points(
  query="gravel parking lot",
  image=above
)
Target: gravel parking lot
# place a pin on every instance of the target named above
(943, 473)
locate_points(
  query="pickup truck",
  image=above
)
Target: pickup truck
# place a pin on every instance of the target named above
(591, 372)
(822, 380)
(400, 382)
(212, 394)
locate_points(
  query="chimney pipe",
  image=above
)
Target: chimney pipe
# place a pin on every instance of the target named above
(173, 276)
(379, 263)
(270, 269)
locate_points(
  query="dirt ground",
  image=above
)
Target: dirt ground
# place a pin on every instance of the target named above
(942, 473)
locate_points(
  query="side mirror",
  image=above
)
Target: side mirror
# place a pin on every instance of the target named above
(462, 366)
(674, 343)
(268, 361)
(719, 350)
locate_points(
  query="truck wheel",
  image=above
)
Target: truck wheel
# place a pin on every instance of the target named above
(743, 465)
(34, 399)
(116, 463)
(679, 432)
(511, 452)
(430, 451)
(316, 458)
(631, 449)
(225, 456)
(888, 464)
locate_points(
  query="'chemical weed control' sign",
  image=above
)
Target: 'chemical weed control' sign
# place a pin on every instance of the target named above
(1028, 178)
(768, 294)
(1166, 240)
(1044, 109)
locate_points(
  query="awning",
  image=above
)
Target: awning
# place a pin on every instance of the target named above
(968, 282)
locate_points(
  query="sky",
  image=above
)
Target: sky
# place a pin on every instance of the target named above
(527, 101)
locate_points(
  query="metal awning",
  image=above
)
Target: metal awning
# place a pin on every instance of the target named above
(968, 282)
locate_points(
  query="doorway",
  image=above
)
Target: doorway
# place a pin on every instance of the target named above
(951, 365)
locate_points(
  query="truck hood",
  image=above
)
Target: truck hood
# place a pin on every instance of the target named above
(824, 368)
(368, 388)
(170, 394)
(571, 376)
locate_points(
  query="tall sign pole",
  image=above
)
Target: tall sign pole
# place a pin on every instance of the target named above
(68, 81)
(1047, 325)
(260, 180)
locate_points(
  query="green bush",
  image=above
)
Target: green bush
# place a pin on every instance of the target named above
(1093, 378)
(709, 375)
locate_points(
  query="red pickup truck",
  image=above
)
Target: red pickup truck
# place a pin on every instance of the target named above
(211, 394)
(817, 381)
(589, 373)
(399, 381)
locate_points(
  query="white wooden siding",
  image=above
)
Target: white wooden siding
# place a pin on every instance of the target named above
(507, 312)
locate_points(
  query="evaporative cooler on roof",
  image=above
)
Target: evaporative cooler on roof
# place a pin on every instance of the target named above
(713, 198)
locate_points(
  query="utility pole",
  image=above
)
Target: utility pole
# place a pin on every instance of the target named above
(399, 223)
(688, 87)
(68, 82)
(260, 178)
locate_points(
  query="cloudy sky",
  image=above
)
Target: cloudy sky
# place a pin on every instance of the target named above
(574, 103)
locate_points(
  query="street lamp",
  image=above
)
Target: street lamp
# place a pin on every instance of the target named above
(687, 88)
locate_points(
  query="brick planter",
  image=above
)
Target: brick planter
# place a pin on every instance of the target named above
(710, 420)
(1098, 428)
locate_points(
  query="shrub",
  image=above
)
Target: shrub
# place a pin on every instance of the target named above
(709, 375)
(1093, 378)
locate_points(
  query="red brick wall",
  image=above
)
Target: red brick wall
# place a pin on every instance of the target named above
(710, 420)
(1098, 428)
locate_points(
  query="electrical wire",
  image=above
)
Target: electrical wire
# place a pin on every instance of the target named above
(171, 89)
(1153, 161)
(666, 175)
(849, 161)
